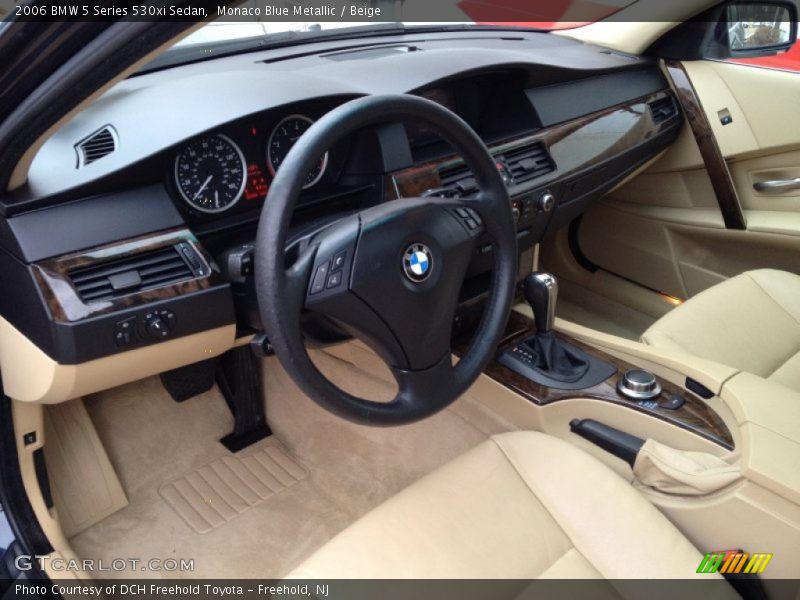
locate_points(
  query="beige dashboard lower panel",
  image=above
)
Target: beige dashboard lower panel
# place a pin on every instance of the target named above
(30, 375)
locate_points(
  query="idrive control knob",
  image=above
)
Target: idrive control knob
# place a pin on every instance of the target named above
(638, 384)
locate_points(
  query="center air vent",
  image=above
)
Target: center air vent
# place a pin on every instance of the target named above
(459, 179)
(94, 147)
(137, 273)
(663, 109)
(519, 165)
(528, 162)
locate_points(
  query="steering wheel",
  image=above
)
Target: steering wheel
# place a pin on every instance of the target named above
(389, 275)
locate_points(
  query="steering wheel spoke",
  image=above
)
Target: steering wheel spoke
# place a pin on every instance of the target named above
(429, 389)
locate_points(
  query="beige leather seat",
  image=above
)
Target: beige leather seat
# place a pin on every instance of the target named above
(521, 505)
(750, 322)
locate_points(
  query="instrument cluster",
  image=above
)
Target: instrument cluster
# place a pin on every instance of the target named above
(219, 171)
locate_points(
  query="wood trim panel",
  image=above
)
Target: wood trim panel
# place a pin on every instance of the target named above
(574, 146)
(66, 306)
(695, 415)
(717, 167)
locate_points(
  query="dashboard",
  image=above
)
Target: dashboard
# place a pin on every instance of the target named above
(138, 221)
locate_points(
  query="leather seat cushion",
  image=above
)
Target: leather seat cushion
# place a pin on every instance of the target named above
(750, 322)
(521, 505)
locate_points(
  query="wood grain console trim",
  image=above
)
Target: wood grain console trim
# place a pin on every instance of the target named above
(717, 167)
(695, 415)
(574, 146)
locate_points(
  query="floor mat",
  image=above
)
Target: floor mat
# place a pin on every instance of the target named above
(349, 469)
(221, 490)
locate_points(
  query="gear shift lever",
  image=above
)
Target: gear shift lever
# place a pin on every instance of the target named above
(544, 357)
(541, 292)
(548, 354)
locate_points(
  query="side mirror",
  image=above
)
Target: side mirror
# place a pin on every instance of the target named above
(735, 29)
(758, 28)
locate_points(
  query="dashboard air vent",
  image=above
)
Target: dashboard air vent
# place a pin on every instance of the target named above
(370, 53)
(136, 273)
(459, 179)
(663, 109)
(94, 147)
(528, 162)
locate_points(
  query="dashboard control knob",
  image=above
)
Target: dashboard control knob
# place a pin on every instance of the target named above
(157, 327)
(638, 384)
(546, 202)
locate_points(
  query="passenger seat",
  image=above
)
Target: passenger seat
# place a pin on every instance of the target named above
(750, 322)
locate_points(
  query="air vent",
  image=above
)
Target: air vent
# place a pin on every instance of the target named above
(370, 53)
(528, 162)
(94, 147)
(459, 179)
(663, 109)
(137, 273)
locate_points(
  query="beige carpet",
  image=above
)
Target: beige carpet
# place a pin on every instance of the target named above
(348, 469)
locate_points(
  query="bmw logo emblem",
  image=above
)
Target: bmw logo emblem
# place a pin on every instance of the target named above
(417, 262)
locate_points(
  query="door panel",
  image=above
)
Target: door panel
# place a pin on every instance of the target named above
(664, 229)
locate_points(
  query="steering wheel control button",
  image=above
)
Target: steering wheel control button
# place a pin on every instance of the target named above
(334, 280)
(338, 261)
(320, 278)
(470, 218)
(639, 385)
(417, 262)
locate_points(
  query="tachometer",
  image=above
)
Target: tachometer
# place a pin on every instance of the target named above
(211, 173)
(281, 140)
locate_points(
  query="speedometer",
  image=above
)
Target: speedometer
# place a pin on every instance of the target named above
(211, 173)
(281, 140)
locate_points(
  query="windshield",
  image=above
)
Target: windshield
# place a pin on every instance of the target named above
(221, 38)
(225, 31)
(254, 25)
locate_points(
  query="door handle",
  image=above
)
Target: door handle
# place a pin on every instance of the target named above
(777, 186)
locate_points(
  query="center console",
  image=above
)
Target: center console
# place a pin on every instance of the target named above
(546, 367)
